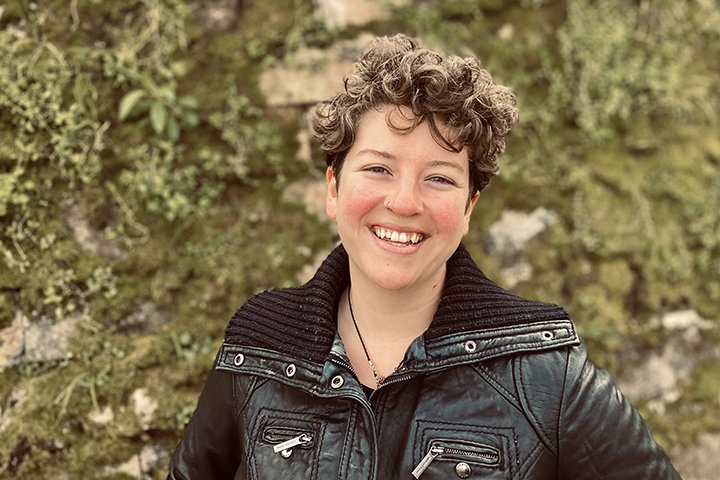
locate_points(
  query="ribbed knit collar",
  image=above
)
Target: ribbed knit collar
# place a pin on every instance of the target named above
(302, 321)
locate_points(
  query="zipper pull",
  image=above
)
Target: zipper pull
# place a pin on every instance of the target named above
(293, 442)
(427, 460)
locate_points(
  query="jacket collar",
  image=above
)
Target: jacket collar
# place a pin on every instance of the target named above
(301, 322)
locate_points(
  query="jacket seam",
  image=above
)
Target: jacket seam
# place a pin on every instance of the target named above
(530, 458)
(344, 457)
(486, 375)
(506, 349)
(561, 407)
(544, 437)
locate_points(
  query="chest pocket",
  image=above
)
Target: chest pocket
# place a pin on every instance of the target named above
(447, 451)
(285, 446)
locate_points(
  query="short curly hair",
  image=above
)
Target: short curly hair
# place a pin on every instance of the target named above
(457, 92)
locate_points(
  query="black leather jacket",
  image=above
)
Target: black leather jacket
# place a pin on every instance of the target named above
(498, 387)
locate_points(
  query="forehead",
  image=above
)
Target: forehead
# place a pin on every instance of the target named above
(393, 131)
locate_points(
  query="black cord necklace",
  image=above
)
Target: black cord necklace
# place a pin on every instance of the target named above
(379, 379)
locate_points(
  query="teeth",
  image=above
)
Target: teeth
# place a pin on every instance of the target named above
(397, 237)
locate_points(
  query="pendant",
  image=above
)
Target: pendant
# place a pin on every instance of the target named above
(379, 379)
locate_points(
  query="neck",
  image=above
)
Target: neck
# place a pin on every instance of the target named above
(395, 315)
(381, 324)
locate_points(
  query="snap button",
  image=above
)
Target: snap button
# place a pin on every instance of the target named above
(470, 346)
(290, 370)
(547, 335)
(286, 453)
(463, 470)
(239, 359)
(337, 381)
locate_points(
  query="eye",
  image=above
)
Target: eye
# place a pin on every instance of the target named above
(441, 180)
(376, 169)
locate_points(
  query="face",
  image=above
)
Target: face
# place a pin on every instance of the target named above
(402, 205)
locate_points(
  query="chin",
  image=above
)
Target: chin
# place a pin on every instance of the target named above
(395, 283)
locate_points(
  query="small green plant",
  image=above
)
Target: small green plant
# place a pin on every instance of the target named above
(159, 106)
(621, 63)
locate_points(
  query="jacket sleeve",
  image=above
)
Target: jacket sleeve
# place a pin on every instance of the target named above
(210, 446)
(601, 435)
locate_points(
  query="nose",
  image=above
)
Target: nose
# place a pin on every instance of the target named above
(405, 199)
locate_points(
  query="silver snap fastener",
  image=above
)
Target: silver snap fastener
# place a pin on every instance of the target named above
(547, 335)
(239, 359)
(463, 470)
(470, 346)
(286, 453)
(337, 381)
(290, 370)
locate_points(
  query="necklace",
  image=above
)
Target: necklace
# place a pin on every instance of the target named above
(379, 379)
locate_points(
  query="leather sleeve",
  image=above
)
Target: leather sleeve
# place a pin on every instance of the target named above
(210, 446)
(600, 434)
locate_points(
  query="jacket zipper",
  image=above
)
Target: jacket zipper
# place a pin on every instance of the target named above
(338, 360)
(302, 439)
(435, 451)
(389, 382)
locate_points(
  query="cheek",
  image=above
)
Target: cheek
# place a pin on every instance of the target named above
(449, 217)
(357, 200)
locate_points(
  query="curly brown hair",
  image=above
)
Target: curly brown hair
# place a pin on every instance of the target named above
(457, 92)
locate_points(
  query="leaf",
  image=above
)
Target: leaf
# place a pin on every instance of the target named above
(158, 117)
(173, 129)
(128, 102)
(186, 101)
(190, 119)
(147, 82)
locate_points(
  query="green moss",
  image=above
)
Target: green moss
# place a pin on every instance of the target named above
(618, 138)
(698, 410)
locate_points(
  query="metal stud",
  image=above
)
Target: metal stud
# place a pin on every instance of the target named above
(463, 470)
(547, 335)
(470, 346)
(290, 370)
(337, 381)
(239, 359)
(286, 453)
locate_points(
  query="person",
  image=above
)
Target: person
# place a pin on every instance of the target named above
(400, 358)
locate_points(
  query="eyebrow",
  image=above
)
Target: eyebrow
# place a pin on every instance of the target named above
(379, 153)
(390, 156)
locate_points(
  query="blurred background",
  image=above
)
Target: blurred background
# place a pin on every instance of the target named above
(156, 169)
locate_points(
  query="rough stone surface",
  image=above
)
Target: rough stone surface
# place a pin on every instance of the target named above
(12, 341)
(310, 193)
(508, 238)
(88, 238)
(147, 318)
(344, 13)
(700, 461)
(39, 341)
(102, 417)
(688, 322)
(217, 15)
(311, 75)
(658, 378)
(47, 341)
(151, 459)
(144, 407)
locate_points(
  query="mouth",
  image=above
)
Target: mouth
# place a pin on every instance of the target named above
(398, 238)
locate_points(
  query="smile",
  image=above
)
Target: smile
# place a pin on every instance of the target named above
(398, 237)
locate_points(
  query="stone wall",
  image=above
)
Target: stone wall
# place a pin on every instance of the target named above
(116, 285)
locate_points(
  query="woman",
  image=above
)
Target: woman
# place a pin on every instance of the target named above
(400, 359)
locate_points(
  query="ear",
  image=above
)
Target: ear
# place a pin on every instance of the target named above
(331, 197)
(468, 211)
